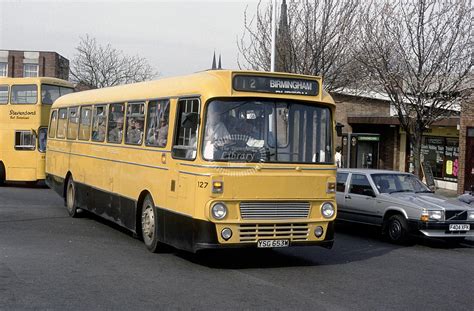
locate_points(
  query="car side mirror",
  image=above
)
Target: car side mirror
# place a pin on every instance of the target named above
(369, 192)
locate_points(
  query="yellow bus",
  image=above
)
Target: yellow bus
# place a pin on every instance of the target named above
(214, 159)
(25, 104)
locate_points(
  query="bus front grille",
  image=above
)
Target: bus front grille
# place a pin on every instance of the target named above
(274, 210)
(255, 232)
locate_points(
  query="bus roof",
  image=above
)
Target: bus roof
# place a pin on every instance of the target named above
(35, 80)
(211, 83)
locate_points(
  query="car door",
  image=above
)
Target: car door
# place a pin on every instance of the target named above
(358, 201)
(341, 187)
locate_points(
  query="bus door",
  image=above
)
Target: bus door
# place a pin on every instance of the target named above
(184, 152)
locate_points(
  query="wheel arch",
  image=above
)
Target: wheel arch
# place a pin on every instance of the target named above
(390, 212)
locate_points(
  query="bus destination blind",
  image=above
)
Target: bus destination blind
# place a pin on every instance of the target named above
(276, 85)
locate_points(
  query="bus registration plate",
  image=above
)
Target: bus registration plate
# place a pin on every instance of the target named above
(273, 243)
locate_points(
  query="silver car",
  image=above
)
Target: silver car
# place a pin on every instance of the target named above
(401, 204)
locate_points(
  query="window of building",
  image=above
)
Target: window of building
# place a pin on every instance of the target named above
(157, 123)
(49, 93)
(3, 94)
(30, 70)
(3, 69)
(25, 140)
(135, 123)
(442, 154)
(24, 94)
(341, 182)
(359, 184)
(85, 123)
(73, 123)
(185, 143)
(99, 123)
(115, 125)
(62, 123)
(53, 124)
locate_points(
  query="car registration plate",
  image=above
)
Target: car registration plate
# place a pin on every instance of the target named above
(459, 227)
(273, 243)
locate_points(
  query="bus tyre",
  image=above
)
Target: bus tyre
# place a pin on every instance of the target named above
(397, 229)
(149, 221)
(2, 174)
(71, 198)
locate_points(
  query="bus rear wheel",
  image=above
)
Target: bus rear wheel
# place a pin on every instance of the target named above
(149, 221)
(2, 174)
(71, 198)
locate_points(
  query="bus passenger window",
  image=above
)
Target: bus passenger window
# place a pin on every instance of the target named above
(157, 123)
(185, 144)
(53, 124)
(85, 123)
(24, 94)
(73, 123)
(62, 123)
(135, 123)
(25, 140)
(3, 94)
(115, 134)
(99, 123)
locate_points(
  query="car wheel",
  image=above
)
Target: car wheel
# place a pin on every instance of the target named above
(71, 198)
(397, 229)
(150, 225)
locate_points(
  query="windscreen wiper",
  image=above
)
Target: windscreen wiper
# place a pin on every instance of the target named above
(424, 191)
(403, 190)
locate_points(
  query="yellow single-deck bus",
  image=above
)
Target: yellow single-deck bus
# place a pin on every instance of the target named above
(25, 104)
(214, 159)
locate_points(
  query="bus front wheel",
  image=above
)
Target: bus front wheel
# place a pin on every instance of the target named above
(150, 225)
(71, 198)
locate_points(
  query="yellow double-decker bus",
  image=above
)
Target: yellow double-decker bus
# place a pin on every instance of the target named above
(25, 104)
(214, 159)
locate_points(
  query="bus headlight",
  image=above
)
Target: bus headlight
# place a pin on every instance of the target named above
(226, 233)
(318, 231)
(219, 211)
(327, 210)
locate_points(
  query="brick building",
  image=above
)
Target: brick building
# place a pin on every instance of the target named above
(18, 64)
(372, 113)
(466, 146)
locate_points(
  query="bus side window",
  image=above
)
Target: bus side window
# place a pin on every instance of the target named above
(3, 94)
(53, 125)
(85, 123)
(73, 123)
(185, 144)
(115, 127)
(135, 123)
(99, 123)
(62, 123)
(157, 123)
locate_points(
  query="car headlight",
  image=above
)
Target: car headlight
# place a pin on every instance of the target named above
(327, 210)
(435, 215)
(470, 215)
(219, 211)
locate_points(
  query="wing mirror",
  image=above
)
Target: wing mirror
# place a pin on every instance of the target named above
(369, 192)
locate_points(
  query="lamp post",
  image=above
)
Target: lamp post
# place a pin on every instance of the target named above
(272, 63)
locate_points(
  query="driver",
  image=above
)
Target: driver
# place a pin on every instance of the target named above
(215, 131)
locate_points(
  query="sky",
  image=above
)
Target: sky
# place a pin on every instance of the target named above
(176, 37)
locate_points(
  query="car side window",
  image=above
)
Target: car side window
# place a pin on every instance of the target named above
(341, 182)
(359, 183)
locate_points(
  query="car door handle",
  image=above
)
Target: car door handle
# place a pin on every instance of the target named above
(348, 196)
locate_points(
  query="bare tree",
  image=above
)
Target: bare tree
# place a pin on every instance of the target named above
(314, 38)
(98, 66)
(420, 54)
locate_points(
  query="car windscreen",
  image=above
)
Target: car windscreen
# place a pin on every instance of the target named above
(391, 183)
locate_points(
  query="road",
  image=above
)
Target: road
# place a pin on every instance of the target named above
(51, 261)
